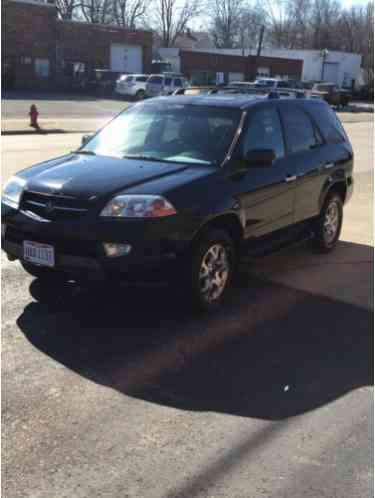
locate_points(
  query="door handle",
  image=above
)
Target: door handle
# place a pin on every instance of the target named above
(290, 178)
(328, 165)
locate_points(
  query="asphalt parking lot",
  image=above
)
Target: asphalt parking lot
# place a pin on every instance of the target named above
(123, 392)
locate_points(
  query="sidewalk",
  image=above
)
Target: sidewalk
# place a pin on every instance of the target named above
(20, 126)
(58, 125)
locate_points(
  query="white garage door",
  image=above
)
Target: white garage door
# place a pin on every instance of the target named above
(331, 72)
(235, 77)
(127, 58)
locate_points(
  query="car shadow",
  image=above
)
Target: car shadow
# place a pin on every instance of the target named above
(271, 352)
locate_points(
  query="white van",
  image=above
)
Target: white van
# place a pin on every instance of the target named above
(164, 84)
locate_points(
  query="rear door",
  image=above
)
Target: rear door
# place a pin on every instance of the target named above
(177, 84)
(306, 148)
(266, 194)
(154, 86)
(168, 85)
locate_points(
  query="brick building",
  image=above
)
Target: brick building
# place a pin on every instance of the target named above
(203, 66)
(40, 51)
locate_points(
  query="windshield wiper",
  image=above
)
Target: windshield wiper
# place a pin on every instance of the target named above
(88, 152)
(144, 158)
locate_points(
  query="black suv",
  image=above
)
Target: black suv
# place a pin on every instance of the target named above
(185, 183)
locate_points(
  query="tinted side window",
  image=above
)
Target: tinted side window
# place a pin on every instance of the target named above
(283, 84)
(328, 123)
(177, 82)
(299, 131)
(167, 81)
(264, 132)
(141, 78)
(155, 79)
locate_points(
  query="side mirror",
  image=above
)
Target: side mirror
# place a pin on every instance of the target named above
(85, 139)
(260, 157)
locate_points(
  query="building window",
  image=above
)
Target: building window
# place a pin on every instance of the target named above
(203, 78)
(263, 71)
(25, 59)
(42, 68)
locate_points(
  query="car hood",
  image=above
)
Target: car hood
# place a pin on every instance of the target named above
(90, 177)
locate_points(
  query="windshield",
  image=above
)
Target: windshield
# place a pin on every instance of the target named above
(179, 133)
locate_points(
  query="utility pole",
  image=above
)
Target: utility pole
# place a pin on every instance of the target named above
(259, 50)
(324, 54)
(260, 40)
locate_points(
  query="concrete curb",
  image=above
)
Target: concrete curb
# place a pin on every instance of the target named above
(42, 132)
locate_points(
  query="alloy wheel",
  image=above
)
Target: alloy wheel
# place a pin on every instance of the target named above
(214, 272)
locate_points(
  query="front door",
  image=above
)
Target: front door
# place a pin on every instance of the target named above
(265, 193)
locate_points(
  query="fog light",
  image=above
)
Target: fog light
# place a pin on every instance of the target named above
(114, 250)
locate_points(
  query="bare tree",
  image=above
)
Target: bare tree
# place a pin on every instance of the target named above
(250, 22)
(226, 23)
(128, 13)
(98, 11)
(172, 17)
(67, 8)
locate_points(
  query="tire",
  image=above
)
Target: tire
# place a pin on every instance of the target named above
(328, 225)
(42, 273)
(213, 254)
(140, 95)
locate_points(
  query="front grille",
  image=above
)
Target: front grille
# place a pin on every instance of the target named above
(54, 207)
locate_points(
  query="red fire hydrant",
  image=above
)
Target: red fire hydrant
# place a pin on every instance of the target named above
(34, 117)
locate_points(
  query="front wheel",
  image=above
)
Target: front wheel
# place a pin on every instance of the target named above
(328, 225)
(210, 269)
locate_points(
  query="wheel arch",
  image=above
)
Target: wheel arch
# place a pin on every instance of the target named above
(338, 186)
(230, 222)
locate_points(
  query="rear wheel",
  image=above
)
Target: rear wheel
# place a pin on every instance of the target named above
(140, 95)
(329, 223)
(209, 270)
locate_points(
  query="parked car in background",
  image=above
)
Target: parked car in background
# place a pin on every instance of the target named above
(331, 93)
(132, 85)
(164, 84)
(366, 93)
(272, 84)
(242, 86)
(196, 90)
(186, 183)
(102, 81)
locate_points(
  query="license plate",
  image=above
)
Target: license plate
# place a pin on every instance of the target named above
(38, 254)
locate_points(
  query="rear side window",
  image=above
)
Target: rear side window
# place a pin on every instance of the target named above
(328, 123)
(156, 79)
(177, 82)
(264, 132)
(167, 81)
(129, 79)
(299, 130)
(141, 79)
(283, 84)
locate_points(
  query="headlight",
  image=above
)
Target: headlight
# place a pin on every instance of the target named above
(12, 191)
(138, 206)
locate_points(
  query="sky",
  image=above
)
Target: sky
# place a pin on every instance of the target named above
(348, 3)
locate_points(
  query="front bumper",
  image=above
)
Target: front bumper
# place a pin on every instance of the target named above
(79, 245)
